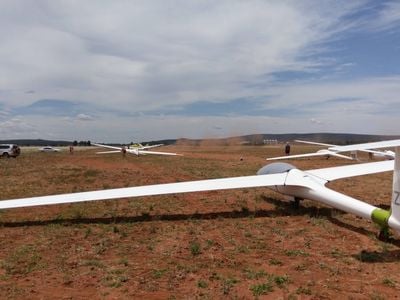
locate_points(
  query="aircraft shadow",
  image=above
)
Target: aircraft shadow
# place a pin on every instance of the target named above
(282, 208)
(378, 257)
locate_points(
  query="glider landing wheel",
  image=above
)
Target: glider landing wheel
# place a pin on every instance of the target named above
(296, 202)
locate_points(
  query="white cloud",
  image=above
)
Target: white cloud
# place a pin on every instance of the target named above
(134, 56)
(84, 117)
(16, 128)
(388, 17)
(147, 53)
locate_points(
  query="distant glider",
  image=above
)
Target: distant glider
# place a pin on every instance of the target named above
(281, 177)
(335, 150)
(137, 149)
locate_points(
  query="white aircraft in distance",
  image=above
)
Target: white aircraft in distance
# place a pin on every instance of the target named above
(137, 150)
(387, 154)
(281, 177)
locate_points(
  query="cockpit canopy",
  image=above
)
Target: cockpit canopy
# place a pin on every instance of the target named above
(275, 168)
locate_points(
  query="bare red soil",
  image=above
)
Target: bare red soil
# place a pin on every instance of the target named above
(236, 244)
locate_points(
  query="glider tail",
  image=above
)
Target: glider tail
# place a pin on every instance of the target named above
(394, 220)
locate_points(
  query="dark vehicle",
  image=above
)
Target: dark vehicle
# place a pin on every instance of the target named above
(9, 150)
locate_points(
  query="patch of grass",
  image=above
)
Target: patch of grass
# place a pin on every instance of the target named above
(242, 249)
(115, 278)
(303, 290)
(93, 263)
(296, 253)
(215, 276)
(279, 232)
(248, 234)
(124, 262)
(102, 246)
(389, 282)
(158, 273)
(300, 267)
(250, 274)
(209, 244)
(228, 284)
(91, 173)
(336, 253)
(376, 296)
(318, 221)
(202, 284)
(88, 231)
(262, 288)
(275, 262)
(23, 260)
(281, 281)
(195, 248)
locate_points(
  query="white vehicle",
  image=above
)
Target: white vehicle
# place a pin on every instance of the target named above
(136, 150)
(281, 177)
(335, 150)
(9, 150)
(49, 149)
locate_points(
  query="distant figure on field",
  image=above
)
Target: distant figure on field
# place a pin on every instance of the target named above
(16, 150)
(287, 149)
(123, 150)
(71, 149)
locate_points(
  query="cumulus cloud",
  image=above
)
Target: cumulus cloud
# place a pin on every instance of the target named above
(315, 121)
(84, 117)
(157, 52)
(16, 128)
(125, 60)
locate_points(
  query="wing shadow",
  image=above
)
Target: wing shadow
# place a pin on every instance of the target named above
(282, 208)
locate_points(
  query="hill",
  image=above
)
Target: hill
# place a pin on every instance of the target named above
(257, 139)
(252, 139)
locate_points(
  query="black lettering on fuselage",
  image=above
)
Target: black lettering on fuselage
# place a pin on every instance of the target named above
(396, 197)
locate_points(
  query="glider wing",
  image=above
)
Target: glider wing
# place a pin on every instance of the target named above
(150, 190)
(107, 146)
(334, 173)
(156, 153)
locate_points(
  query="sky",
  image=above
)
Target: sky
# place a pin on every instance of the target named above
(121, 71)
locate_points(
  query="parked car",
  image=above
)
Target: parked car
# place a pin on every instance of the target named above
(49, 149)
(9, 150)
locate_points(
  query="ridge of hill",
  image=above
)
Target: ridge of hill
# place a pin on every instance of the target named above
(259, 139)
(252, 139)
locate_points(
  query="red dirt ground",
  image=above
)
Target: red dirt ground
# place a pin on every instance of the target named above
(237, 244)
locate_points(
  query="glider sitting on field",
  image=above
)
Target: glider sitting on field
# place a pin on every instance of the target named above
(335, 150)
(281, 177)
(136, 150)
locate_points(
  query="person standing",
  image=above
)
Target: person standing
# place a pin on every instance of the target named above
(287, 149)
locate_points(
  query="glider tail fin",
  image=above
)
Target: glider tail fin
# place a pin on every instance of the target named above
(394, 220)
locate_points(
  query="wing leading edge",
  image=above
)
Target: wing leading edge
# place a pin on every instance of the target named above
(334, 173)
(151, 190)
(267, 180)
(320, 153)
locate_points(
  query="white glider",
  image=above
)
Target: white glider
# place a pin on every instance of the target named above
(281, 177)
(322, 152)
(335, 150)
(136, 150)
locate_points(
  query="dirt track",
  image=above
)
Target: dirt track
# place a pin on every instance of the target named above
(230, 244)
